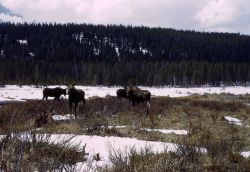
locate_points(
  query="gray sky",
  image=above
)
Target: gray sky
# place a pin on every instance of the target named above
(201, 15)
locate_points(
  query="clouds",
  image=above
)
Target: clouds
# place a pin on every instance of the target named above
(224, 16)
(208, 15)
(217, 12)
(9, 18)
(7, 15)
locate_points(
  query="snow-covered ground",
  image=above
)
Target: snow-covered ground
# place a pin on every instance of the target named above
(106, 145)
(103, 145)
(233, 120)
(16, 93)
(63, 117)
(164, 131)
(246, 154)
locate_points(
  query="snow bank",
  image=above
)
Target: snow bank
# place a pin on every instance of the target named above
(11, 93)
(103, 146)
(16, 93)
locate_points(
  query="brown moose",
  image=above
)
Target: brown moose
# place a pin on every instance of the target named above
(53, 92)
(75, 96)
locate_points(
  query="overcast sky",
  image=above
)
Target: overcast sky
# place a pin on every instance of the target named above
(201, 15)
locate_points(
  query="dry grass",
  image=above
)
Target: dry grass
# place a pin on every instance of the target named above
(222, 144)
(28, 152)
(202, 116)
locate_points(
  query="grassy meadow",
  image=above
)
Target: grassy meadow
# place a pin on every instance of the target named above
(203, 116)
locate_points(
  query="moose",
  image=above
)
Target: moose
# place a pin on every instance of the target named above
(53, 92)
(75, 96)
(122, 93)
(137, 96)
(43, 119)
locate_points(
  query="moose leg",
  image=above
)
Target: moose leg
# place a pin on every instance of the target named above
(45, 97)
(133, 101)
(57, 98)
(148, 107)
(118, 103)
(130, 101)
(75, 108)
(150, 115)
(70, 107)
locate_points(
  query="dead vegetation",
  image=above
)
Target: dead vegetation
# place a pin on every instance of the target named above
(201, 116)
(204, 149)
(31, 152)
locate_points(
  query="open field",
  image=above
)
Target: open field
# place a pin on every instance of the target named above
(10, 93)
(196, 130)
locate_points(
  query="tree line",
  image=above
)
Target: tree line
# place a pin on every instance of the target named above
(120, 55)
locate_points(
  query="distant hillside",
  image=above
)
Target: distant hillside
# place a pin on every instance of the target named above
(97, 54)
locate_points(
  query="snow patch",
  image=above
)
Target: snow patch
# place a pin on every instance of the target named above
(122, 126)
(97, 51)
(117, 51)
(31, 54)
(232, 120)
(245, 154)
(145, 51)
(24, 41)
(164, 131)
(103, 145)
(63, 117)
(248, 104)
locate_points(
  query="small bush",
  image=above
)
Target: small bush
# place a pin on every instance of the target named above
(25, 152)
